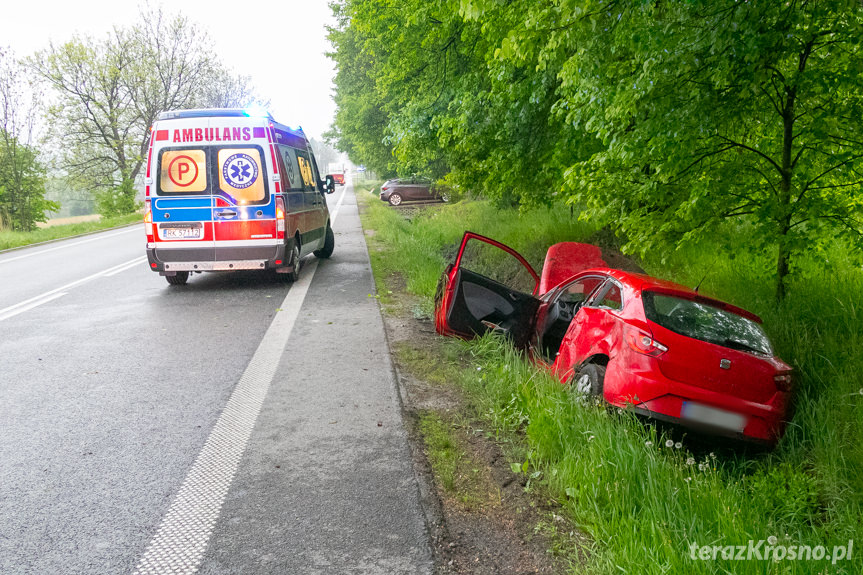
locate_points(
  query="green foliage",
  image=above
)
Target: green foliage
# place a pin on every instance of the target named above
(117, 201)
(108, 92)
(643, 503)
(662, 119)
(22, 186)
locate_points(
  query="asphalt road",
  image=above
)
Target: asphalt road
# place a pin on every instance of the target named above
(234, 425)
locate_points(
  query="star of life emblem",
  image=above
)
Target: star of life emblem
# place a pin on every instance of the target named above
(240, 171)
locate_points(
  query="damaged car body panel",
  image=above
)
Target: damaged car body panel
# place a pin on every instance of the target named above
(636, 341)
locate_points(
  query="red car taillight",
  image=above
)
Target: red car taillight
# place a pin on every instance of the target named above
(643, 342)
(782, 381)
(280, 218)
(148, 221)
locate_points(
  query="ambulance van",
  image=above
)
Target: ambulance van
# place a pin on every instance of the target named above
(229, 189)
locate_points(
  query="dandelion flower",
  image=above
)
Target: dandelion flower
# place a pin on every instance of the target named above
(772, 539)
(648, 443)
(687, 479)
(678, 445)
(690, 461)
(669, 443)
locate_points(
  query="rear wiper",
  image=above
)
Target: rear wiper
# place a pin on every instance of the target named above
(734, 344)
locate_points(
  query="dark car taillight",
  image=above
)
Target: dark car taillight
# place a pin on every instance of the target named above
(782, 381)
(643, 342)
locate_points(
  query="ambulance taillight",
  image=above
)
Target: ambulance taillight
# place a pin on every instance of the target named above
(148, 222)
(280, 218)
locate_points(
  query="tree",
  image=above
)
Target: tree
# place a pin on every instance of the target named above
(110, 92)
(710, 111)
(665, 120)
(22, 176)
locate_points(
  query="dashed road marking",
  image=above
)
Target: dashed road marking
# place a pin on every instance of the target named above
(40, 299)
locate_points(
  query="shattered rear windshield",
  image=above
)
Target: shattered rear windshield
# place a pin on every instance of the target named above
(705, 322)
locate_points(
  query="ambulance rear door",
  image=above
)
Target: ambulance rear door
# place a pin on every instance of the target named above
(244, 209)
(182, 206)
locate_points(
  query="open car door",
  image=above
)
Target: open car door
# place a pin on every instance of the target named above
(489, 287)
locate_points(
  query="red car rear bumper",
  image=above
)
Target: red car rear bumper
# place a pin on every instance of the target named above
(695, 407)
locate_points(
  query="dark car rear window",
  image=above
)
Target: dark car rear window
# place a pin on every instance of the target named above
(705, 322)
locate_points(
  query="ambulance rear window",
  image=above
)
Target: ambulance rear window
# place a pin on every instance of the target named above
(235, 172)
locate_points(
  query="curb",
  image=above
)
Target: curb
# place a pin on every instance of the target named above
(54, 241)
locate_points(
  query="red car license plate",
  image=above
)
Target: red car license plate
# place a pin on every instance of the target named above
(693, 411)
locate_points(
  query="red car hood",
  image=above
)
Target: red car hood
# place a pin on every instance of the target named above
(564, 260)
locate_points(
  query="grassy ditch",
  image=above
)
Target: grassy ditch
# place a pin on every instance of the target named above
(10, 239)
(643, 497)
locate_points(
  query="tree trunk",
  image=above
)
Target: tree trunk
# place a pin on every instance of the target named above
(782, 268)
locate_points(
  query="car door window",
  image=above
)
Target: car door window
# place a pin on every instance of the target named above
(609, 296)
(562, 307)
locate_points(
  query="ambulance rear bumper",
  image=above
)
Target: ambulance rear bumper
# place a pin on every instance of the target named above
(175, 260)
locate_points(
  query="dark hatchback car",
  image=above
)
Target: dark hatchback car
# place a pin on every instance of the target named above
(412, 189)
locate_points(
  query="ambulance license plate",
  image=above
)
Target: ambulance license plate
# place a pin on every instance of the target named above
(191, 232)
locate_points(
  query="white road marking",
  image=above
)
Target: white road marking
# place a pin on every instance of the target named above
(29, 304)
(179, 544)
(181, 540)
(129, 265)
(69, 245)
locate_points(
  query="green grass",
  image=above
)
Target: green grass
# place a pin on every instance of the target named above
(454, 469)
(10, 239)
(643, 503)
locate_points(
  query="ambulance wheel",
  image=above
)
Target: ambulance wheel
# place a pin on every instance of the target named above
(329, 245)
(178, 280)
(295, 262)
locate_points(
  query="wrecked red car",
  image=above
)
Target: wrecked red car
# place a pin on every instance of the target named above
(638, 342)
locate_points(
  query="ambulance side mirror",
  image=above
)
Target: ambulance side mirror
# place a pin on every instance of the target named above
(330, 184)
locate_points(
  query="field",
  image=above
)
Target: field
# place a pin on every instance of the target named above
(647, 497)
(10, 239)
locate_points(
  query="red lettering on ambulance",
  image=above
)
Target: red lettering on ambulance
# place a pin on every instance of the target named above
(237, 134)
(199, 134)
(226, 134)
(208, 134)
(247, 134)
(187, 135)
(177, 137)
(216, 133)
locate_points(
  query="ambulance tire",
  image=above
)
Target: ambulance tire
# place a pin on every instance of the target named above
(295, 262)
(329, 245)
(178, 280)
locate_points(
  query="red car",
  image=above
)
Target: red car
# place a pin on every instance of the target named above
(658, 347)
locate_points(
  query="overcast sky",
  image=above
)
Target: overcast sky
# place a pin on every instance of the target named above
(280, 45)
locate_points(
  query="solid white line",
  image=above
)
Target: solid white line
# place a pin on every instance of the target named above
(30, 306)
(64, 246)
(4, 312)
(181, 540)
(335, 212)
(179, 544)
(129, 265)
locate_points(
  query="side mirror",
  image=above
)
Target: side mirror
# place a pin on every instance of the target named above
(330, 184)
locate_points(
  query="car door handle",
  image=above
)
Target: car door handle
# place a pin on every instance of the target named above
(226, 214)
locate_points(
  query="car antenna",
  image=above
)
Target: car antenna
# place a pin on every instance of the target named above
(698, 285)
